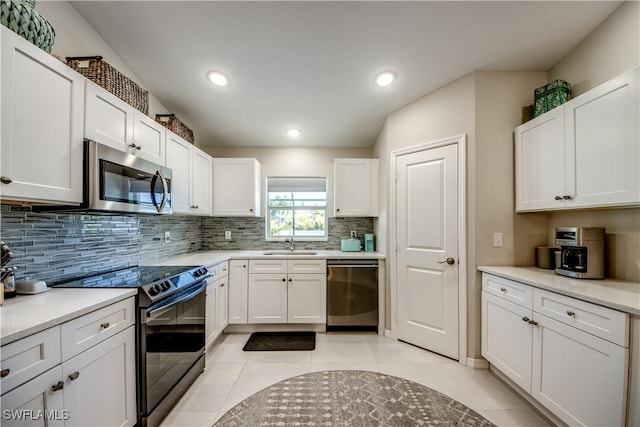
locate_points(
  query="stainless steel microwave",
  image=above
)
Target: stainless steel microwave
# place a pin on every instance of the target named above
(121, 182)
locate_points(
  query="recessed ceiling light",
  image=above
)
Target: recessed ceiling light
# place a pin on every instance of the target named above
(385, 78)
(293, 133)
(217, 78)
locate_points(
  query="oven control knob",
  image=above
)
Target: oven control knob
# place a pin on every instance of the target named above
(154, 290)
(200, 272)
(165, 286)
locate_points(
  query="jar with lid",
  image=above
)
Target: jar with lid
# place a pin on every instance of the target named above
(7, 277)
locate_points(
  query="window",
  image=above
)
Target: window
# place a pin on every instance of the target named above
(297, 207)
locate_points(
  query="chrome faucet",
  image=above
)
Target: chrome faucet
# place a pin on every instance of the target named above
(292, 244)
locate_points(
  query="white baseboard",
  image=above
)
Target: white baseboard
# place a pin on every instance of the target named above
(387, 333)
(477, 363)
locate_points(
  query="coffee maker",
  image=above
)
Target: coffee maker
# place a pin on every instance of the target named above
(582, 252)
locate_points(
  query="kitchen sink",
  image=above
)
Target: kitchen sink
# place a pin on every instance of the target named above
(287, 253)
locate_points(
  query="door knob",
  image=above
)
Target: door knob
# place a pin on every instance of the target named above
(449, 261)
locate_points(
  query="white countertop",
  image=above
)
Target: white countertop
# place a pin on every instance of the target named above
(25, 315)
(209, 258)
(617, 294)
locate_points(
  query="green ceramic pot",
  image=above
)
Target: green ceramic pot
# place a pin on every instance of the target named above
(21, 18)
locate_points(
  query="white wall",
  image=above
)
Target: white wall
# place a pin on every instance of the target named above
(75, 37)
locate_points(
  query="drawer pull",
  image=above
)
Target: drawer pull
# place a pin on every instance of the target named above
(533, 322)
(104, 325)
(571, 313)
(503, 290)
(526, 319)
(6, 180)
(75, 375)
(4, 373)
(58, 386)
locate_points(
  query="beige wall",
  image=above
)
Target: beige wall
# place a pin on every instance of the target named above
(294, 161)
(612, 49)
(75, 37)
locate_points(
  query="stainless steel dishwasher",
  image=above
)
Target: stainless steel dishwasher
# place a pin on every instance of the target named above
(352, 294)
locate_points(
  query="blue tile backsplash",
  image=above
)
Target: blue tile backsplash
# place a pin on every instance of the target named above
(57, 246)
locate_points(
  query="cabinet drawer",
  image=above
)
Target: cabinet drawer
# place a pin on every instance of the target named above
(214, 272)
(223, 269)
(307, 266)
(28, 357)
(84, 332)
(272, 266)
(602, 322)
(515, 292)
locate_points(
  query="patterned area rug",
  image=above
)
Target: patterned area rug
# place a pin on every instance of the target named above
(349, 398)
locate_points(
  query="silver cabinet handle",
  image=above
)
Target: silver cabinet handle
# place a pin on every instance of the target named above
(526, 319)
(567, 197)
(74, 376)
(5, 180)
(449, 261)
(104, 325)
(533, 322)
(58, 386)
(4, 373)
(571, 313)
(503, 290)
(558, 198)
(132, 145)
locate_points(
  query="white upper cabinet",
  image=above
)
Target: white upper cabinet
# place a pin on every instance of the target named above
(602, 133)
(584, 153)
(236, 187)
(111, 121)
(108, 119)
(356, 187)
(148, 138)
(42, 122)
(190, 176)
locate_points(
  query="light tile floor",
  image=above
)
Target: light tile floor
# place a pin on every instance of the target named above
(232, 375)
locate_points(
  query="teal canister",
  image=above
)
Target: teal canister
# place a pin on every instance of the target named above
(368, 243)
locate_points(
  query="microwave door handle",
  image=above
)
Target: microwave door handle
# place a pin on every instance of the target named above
(165, 191)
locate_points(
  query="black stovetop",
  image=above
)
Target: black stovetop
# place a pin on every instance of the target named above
(129, 277)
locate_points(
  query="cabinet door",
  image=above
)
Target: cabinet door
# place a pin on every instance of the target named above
(307, 298)
(41, 125)
(201, 167)
(356, 187)
(507, 338)
(179, 161)
(100, 384)
(211, 324)
(35, 397)
(238, 287)
(108, 119)
(149, 138)
(236, 187)
(267, 298)
(540, 163)
(603, 144)
(223, 303)
(580, 378)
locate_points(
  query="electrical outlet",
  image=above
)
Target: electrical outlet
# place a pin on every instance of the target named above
(167, 236)
(227, 235)
(497, 240)
(353, 234)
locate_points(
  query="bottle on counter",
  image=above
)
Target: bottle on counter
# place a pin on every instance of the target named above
(7, 277)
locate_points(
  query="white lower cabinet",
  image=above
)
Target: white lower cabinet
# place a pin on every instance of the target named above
(100, 383)
(94, 386)
(579, 377)
(277, 294)
(238, 289)
(217, 303)
(573, 359)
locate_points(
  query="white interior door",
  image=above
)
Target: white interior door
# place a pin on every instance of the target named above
(427, 249)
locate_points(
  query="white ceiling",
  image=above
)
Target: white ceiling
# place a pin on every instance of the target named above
(311, 64)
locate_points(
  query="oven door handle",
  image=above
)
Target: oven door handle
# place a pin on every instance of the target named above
(177, 299)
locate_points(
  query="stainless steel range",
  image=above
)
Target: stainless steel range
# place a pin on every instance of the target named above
(170, 332)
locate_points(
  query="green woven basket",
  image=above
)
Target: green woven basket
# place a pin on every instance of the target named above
(20, 17)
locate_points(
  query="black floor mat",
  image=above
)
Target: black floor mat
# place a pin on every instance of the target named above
(281, 341)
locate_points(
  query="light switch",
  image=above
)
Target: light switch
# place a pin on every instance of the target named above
(497, 240)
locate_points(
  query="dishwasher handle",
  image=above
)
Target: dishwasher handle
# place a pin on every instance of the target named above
(352, 265)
